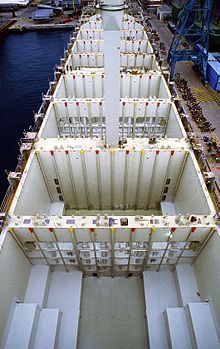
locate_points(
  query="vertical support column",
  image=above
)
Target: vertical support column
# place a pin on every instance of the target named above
(149, 248)
(125, 181)
(31, 230)
(112, 237)
(85, 178)
(130, 250)
(112, 12)
(51, 230)
(212, 231)
(152, 180)
(92, 236)
(166, 249)
(10, 230)
(140, 170)
(54, 162)
(184, 247)
(99, 178)
(74, 243)
(75, 198)
(112, 178)
(43, 174)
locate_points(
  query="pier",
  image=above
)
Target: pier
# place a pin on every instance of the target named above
(5, 25)
(17, 27)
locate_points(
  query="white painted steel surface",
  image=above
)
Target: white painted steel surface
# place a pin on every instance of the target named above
(83, 84)
(156, 302)
(177, 329)
(108, 220)
(137, 118)
(186, 283)
(37, 289)
(118, 308)
(126, 46)
(202, 328)
(96, 60)
(48, 329)
(65, 294)
(23, 328)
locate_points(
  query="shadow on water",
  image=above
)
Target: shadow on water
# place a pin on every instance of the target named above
(26, 64)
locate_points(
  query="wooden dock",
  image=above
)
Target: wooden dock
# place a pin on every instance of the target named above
(5, 25)
(19, 27)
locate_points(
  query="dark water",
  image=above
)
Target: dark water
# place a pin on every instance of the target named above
(26, 63)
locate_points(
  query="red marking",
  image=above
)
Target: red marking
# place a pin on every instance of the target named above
(67, 152)
(127, 152)
(147, 103)
(158, 104)
(52, 152)
(100, 103)
(173, 230)
(172, 152)
(77, 103)
(97, 152)
(193, 229)
(65, 104)
(133, 230)
(31, 230)
(157, 152)
(51, 230)
(74, 77)
(217, 168)
(92, 230)
(123, 103)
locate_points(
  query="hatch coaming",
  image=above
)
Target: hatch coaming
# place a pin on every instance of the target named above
(88, 176)
(91, 84)
(91, 244)
(138, 118)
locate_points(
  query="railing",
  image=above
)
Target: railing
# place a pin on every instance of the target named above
(7, 199)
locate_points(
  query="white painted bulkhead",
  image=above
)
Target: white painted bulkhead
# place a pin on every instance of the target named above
(96, 60)
(14, 274)
(97, 34)
(137, 118)
(126, 46)
(135, 177)
(83, 84)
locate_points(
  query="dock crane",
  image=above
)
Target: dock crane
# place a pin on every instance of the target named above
(192, 30)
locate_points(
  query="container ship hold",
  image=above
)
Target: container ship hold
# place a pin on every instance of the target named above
(111, 239)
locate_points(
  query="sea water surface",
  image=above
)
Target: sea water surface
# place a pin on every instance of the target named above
(26, 65)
